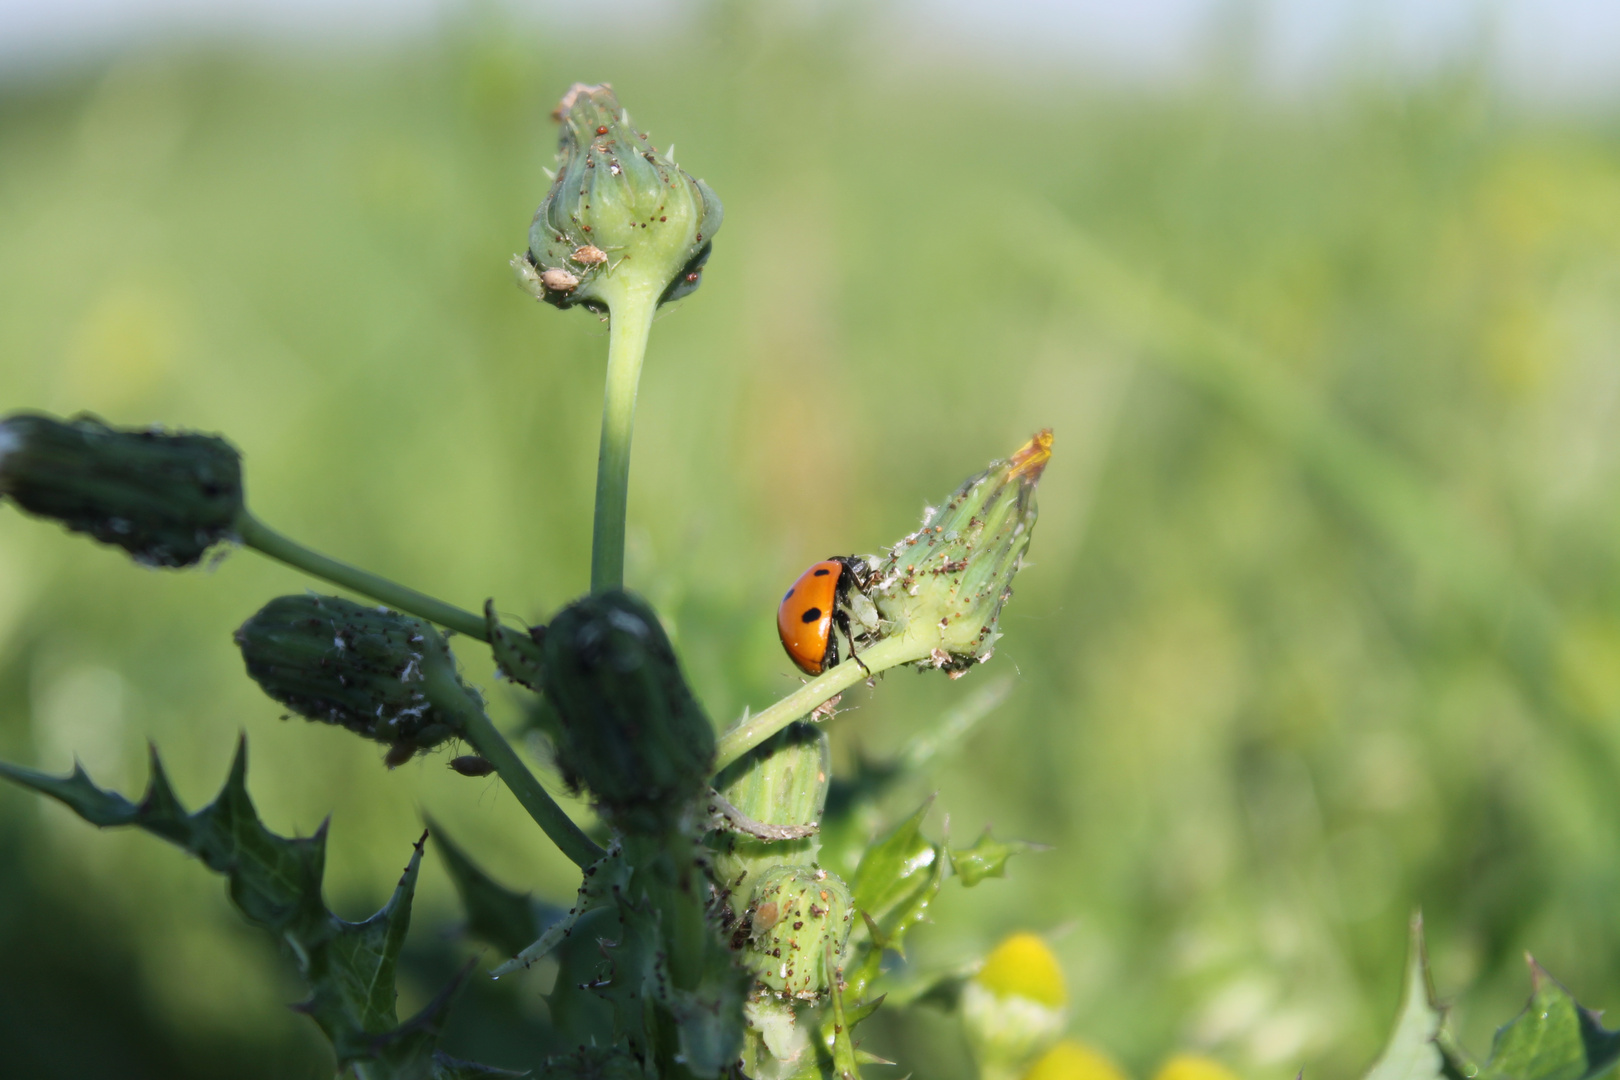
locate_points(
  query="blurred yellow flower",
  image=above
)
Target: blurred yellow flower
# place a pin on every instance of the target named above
(1023, 966)
(1193, 1067)
(1072, 1060)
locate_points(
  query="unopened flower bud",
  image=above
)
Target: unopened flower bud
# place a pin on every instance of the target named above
(1014, 1007)
(619, 217)
(944, 585)
(782, 781)
(164, 498)
(380, 674)
(629, 728)
(798, 920)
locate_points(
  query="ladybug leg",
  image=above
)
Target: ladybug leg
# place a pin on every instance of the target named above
(841, 620)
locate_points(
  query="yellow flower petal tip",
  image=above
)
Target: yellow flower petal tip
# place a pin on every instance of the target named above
(1193, 1067)
(1071, 1060)
(1030, 459)
(1023, 966)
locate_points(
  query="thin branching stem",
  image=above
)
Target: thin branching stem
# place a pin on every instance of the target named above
(478, 729)
(631, 325)
(900, 649)
(262, 538)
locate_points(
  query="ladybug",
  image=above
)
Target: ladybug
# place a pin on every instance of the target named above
(818, 602)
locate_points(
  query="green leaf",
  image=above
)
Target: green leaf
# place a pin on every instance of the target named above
(895, 868)
(987, 858)
(898, 878)
(276, 882)
(1554, 1038)
(505, 919)
(1412, 1053)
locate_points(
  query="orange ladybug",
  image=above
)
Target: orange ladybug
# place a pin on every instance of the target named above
(813, 607)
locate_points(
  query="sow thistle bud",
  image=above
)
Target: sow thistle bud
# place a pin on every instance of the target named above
(1014, 1007)
(629, 728)
(164, 498)
(944, 585)
(798, 920)
(380, 674)
(782, 781)
(619, 217)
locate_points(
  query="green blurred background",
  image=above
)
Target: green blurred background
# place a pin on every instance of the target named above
(1323, 624)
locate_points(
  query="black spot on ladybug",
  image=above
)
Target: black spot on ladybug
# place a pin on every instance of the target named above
(823, 572)
(811, 615)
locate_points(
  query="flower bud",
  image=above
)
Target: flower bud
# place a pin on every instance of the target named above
(945, 584)
(619, 215)
(1071, 1060)
(380, 674)
(1014, 1007)
(782, 781)
(630, 729)
(798, 918)
(164, 498)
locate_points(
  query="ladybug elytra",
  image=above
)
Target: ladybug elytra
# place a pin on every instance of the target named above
(816, 604)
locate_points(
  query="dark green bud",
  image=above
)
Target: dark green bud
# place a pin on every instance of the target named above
(376, 672)
(782, 781)
(629, 728)
(594, 1063)
(620, 217)
(798, 919)
(164, 498)
(945, 584)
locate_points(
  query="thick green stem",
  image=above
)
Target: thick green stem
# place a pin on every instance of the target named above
(888, 653)
(265, 540)
(632, 315)
(478, 729)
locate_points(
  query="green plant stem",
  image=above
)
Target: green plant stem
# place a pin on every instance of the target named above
(478, 729)
(632, 315)
(265, 540)
(888, 653)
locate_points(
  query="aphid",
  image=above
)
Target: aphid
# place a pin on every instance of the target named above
(398, 754)
(601, 131)
(559, 280)
(472, 765)
(818, 602)
(589, 255)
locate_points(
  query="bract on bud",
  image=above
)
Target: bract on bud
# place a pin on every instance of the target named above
(944, 585)
(629, 728)
(376, 672)
(164, 498)
(798, 919)
(782, 781)
(620, 217)
(1014, 1007)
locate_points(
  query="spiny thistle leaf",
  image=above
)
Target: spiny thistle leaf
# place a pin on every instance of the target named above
(898, 878)
(1553, 1038)
(1412, 1053)
(895, 868)
(276, 882)
(986, 858)
(505, 919)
